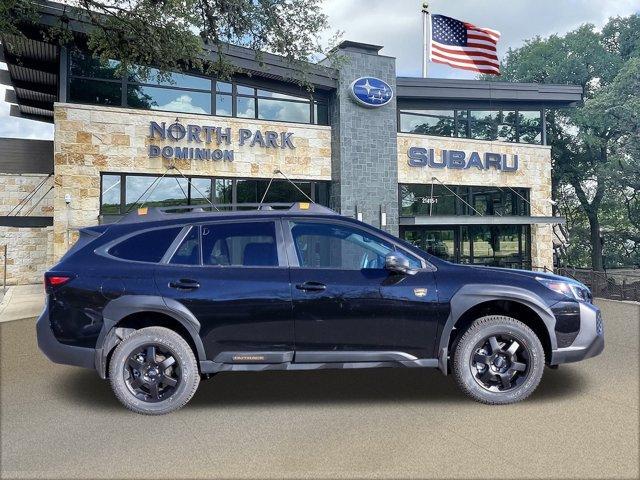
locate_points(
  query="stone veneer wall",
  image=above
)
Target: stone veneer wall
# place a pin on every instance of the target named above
(29, 250)
(534, 173)
(92, 139)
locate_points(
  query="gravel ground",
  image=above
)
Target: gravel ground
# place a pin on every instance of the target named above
(582, 422)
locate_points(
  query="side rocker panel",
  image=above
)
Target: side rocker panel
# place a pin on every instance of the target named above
(127, 305)
(473, 294)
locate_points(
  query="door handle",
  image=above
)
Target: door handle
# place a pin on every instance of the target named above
(185, 284)
(311, 286)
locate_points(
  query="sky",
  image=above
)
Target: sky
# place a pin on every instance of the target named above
(397, 25)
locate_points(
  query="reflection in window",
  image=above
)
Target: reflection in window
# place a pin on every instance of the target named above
(325, 245)
(165, 192)
(530, 127)
(224, 191)
(245, 107)
(200, 191)
(428, 122)
(83, 64)
(110, 200)
(321, 113)
(417, 199)
(224, 105)
(283, 111)
(95, 92)
(180, 80)
(156, 98)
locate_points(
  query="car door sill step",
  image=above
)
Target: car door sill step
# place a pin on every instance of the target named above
(208, 367)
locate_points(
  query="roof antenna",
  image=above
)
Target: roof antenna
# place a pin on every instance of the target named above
(276, 172)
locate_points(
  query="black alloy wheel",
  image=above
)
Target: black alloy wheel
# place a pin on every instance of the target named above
(152, 373)
(500, 363)
(498, 360)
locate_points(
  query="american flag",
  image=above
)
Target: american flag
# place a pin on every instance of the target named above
(463, 45)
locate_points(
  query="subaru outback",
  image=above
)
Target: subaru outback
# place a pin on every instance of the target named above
(169, 296)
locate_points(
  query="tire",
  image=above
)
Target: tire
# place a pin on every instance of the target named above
(498, 360)
(154, 381)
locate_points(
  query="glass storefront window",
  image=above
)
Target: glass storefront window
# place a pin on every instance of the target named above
(321, 113)
(420, 199)
(92, 81)
(95, 92)
(180, 80)
(152, 191)
(110, 200)
(200, 191)
(166, 192)
(84, 64)
(496, 245)
(530, 127)
(157, 98)
(224, 191)
(283, 110)
(503, 125)
(246, 107)
(428, 122)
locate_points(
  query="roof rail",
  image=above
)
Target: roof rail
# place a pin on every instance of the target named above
(149, 214)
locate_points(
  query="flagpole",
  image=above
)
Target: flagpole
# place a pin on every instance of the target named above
(426, 37)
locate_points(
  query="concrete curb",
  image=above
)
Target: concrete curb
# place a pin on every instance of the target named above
(21, 302)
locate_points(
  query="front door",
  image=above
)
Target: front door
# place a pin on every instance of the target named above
(234, 278)
(346, 306)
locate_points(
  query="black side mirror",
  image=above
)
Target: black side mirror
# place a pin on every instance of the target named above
(396, 262)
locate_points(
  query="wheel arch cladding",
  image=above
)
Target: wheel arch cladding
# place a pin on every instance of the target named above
(475, 301)
(140, 311)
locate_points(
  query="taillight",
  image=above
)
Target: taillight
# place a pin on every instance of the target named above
(52, 280)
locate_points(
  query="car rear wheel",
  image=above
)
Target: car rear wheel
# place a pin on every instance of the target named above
(154, 371)
(498, 360)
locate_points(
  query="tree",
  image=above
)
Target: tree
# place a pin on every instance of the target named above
(594, 146)
(172, 35)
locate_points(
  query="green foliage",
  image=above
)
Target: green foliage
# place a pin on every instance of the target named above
(596, 146)
(172, 35)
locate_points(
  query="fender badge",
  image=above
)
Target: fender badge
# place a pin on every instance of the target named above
(420, 292)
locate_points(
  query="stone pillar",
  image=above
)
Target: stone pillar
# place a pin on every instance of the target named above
(364, 153)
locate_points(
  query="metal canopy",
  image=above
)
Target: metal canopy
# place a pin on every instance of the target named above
(470, 92)
(479, 220)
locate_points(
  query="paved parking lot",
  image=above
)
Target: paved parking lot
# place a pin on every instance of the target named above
(63, 422)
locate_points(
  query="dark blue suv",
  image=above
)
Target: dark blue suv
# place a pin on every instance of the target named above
(167, 296)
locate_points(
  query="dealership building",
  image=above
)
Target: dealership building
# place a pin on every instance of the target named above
(460, 168)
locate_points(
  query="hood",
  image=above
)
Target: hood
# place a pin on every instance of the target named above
(529, 274)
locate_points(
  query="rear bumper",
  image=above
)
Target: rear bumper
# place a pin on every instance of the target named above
(59, 352)
(588, 343)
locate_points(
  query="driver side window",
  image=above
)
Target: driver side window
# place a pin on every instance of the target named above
(326, 245)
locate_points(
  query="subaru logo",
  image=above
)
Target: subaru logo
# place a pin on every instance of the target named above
(371, 92)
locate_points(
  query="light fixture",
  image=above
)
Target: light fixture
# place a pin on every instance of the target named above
(358, 214)
(383, 216)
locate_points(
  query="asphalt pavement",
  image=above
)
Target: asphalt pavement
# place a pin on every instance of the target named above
(582, 422)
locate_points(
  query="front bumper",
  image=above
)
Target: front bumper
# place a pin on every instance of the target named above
(590, 340)
(59, 352)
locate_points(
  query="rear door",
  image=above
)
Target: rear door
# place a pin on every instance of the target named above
(233, 276)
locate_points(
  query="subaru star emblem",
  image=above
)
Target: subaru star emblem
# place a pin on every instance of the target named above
(371, 92)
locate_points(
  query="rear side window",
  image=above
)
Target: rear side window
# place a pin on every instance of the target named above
(148, 246)
(188, 253)
(250, 244)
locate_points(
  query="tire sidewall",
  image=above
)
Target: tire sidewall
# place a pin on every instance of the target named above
(487, 327)
(189, 375)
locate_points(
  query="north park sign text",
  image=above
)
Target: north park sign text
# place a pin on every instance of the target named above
(206, 135)
(457, 159)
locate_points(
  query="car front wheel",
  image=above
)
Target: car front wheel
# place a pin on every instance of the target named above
(498, 360)
(154, 371)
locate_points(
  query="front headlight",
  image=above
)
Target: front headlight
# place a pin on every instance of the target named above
(569, 289)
